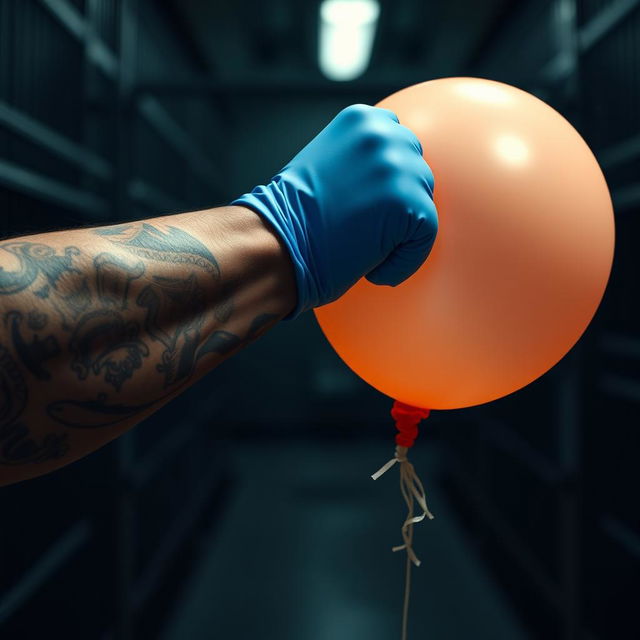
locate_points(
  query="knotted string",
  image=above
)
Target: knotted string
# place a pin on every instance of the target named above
(407, 419)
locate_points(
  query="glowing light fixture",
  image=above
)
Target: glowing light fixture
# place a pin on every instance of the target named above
(347, 30)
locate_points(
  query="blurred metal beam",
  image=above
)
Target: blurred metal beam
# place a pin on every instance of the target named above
(53, 559)
(505, 439)
(503, 17)
(301, 87)
(620, 386)
(68, 16)
(623, 534)
(174, 11)
(175, 535)
(626, 197)
(73, 21)
(167, 449)
(124, 496)
(100, 55)
(619, 344)
(509, 538)
(600, 25)
(154, 198)
(59, 145)
(568, 390)
(45, 188)
(621, 153)
(565, 63)
(178, 139)
(561, 65)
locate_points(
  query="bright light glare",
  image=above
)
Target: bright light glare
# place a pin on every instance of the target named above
(484, 92)
(347, 30)
(512, 150)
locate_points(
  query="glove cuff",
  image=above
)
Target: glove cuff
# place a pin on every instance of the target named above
(269, 202)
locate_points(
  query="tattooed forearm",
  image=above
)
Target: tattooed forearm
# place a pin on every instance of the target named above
(174, 317)
(33, 354)
(174, 246)
(103, 343)
(50, 276)
(99, 327)
(165, 245)
(114, 277)
(224, 342)
(17, 446)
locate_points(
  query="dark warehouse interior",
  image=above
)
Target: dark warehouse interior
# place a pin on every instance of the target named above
(244, 508)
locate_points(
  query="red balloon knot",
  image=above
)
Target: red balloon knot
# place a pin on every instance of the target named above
(407, 419)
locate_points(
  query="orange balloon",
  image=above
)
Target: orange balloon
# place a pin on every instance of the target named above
(520, 263)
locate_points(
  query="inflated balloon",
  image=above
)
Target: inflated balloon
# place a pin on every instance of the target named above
(520, 264)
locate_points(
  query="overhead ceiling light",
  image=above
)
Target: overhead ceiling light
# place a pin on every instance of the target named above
(347, 30)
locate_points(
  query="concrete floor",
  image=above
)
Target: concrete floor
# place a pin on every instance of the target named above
(304, 553)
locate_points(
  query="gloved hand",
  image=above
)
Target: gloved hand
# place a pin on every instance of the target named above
(357, 200)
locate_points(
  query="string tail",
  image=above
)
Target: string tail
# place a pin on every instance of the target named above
(407, 419)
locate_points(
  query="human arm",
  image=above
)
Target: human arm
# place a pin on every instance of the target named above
(100, 327)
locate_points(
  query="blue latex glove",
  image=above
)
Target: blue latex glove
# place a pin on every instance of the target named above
(357, 200)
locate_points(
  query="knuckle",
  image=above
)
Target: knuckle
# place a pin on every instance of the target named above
(395, 162)
(355, 112)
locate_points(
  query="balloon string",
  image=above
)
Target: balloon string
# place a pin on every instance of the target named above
(411, 489)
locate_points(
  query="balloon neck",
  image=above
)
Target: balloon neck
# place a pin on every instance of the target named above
(407, 419)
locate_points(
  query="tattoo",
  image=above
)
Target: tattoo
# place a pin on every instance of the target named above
(65, 284)
(224, 309)
(224, 342)
(16, 444)
(36, 320)
(113, 277)
(14, 389)
(165, 245)
(32, 354)
(103, 341)
(167, 300)
(89, 414)
(33, 259)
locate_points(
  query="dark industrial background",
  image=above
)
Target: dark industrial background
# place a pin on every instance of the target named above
(244, 509)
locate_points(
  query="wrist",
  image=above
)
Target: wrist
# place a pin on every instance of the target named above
(254, 257)
(270, 203)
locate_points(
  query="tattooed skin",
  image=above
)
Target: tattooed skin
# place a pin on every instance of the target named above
(16, 445)
(33, 259)
(166, 300)
(113, 278)
(33, 354)
(168, 245)
(52, 276)
(223, 342)
(118, 323)
(103, 342)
